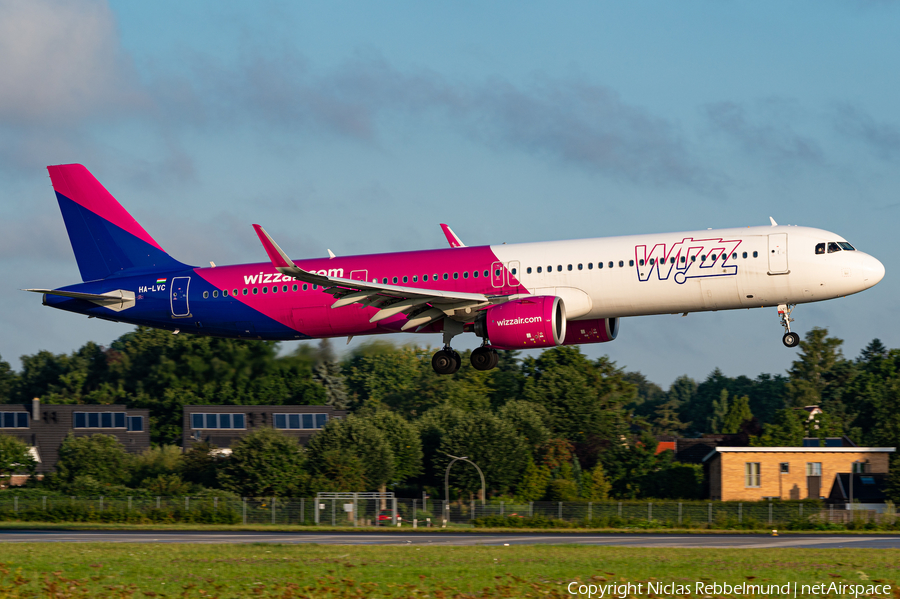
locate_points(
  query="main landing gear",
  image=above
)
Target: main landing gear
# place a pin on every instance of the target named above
(448, 360)
(790, 339)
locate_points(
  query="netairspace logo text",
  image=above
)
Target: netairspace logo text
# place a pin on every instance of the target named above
(630, 589)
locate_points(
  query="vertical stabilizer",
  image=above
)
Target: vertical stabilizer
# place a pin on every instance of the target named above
(105, 238)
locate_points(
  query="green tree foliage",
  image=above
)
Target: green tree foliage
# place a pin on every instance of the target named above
(100, 457)
(14, 457)
(718, 413)
(164, 460)
(7, 382)
(265, 463)
(200, 465)
(338, 471)
(594, 485)
(328, 374)
(788, 429)
(403, 440)
(358, 436)
(581, 397)
(533, 486)
(528, 419)
(738, 413)
(820, 371)
(493, 444)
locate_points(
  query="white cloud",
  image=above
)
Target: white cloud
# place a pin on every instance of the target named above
(60, 60)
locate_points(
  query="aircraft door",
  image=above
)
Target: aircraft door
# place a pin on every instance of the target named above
(778, 259)
(178, 299)
(497, 274)
(359, 275)
(512, 273)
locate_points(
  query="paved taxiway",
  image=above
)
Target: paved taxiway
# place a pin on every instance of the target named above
(613, 540)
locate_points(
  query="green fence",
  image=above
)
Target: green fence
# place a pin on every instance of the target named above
(365, 512)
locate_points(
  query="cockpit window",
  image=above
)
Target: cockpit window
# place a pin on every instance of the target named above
(820, 248)
(833, 247)
(846, 246)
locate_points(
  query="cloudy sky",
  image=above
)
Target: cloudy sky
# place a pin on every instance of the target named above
(359, 126)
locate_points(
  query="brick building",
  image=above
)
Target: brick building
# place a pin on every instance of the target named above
(225, 425)
(754, 473)
(44, 427)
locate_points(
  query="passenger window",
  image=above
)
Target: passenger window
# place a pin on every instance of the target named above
(820, 248)
(745, 253)
(693, 258)
(621, 263)
(528, 270)
(244, 291)
(702, 257)
(255, 291)
(415, 278)
(641, 261)
(274, 288)
(497, 273)
(611, 264)
(424, 278)
(474, 274)
(315, 286)
(394, 280)
(294, 288)
(599, 265)
(234, 292)
(224, 293)
(755, 254)
(455, 276)
(833, 247)
(486, 274)
(631, 263)
(569, 267)
(383, 282)
(306, 286)
(513, 272)
(284, 288)
(265, 290)
(580, 267)
(206, 295)
(466, 274)
(559, 268)
(590, 266)
(539, 269)
(406, 279)
(734, 256)
(446, 276)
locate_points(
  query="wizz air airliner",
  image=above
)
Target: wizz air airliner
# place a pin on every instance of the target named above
(514, 296)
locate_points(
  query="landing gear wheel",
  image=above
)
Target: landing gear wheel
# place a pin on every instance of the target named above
(484, 358)
(791, 339)
(446, 361)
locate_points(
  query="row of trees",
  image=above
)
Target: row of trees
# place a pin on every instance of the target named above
(554, 426)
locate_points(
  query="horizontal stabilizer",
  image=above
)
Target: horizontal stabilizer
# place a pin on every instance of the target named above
(117, 300)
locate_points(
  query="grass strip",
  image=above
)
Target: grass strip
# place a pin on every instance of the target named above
(100, 570)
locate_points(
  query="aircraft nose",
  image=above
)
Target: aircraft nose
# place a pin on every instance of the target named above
(872, 270)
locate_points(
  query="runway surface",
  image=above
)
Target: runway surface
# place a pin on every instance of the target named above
(615, 540)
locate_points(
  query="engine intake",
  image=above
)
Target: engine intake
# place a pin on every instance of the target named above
(538, 321)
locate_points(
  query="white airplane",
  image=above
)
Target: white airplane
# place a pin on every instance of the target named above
(515, 296)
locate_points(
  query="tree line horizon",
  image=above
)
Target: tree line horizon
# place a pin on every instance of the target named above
(556, 426)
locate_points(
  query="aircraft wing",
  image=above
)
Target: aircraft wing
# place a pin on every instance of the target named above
(421, 306)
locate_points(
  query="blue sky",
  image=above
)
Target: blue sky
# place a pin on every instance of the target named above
(360, 126)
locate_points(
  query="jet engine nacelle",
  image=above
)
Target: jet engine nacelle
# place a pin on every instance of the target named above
(597, 330)
(538, 321)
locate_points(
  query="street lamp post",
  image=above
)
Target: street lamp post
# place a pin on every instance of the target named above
(447, 481)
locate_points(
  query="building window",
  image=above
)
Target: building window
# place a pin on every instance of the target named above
(751, 474)
(300, 421)
(99, 420)
(785, 468)
(13, 419)
(136, 424)
(814, 469)
(208, 421)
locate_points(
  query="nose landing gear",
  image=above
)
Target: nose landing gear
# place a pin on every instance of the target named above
(790, 339)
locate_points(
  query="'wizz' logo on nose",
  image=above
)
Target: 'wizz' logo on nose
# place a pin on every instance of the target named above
(689, 258)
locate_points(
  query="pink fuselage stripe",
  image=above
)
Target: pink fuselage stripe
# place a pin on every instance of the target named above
(77, 184)
(310, 312)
